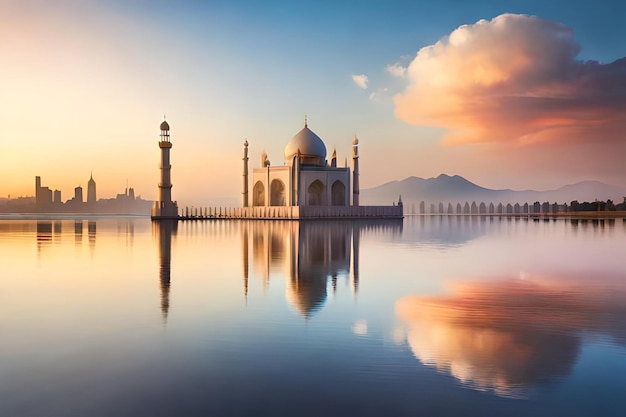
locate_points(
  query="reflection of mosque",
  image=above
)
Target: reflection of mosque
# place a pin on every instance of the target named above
(309, 254)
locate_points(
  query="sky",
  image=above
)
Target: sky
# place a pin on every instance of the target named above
(508, 94)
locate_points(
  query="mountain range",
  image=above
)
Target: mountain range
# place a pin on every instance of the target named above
(456, 189)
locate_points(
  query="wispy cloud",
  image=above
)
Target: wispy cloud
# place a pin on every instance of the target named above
(375, 95)
(513, 79)
(397, 70)
(360, 80)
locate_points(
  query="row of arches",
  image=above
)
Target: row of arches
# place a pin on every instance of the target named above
(315, 195)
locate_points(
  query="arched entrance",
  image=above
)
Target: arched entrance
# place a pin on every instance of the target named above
(338, 191)
(277, 195)
(315, 193)
(258, 194)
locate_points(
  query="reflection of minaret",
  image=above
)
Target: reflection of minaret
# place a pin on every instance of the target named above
(165, 208)
(165, 229)
(244, 242)
(262, 249)
(356, 243)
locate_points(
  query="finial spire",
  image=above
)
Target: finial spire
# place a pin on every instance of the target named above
(306, 124)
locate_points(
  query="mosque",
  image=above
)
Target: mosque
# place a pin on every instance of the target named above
(306, 186)
(306, 178)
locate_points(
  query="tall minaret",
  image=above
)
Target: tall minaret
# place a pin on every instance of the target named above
(355, 171)
(245, 173)
(165, 208)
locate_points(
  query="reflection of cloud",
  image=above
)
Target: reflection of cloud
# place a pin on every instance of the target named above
(508, 335)
(360, 328)
(360, 80)
(398, 335)
(514, 78)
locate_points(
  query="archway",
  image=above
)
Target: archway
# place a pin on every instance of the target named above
(277, 194)
(315, 193)
(338, 191)
(258, 194)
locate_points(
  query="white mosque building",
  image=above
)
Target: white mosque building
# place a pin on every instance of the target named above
(306, 186)
(305, 179)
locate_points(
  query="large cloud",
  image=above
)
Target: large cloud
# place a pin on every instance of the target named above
(514, 78)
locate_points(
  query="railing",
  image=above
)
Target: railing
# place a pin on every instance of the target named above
(293, 212)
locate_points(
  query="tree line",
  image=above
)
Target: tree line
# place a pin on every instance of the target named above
(517, 208)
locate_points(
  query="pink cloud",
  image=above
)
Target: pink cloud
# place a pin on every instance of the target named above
(514, 79)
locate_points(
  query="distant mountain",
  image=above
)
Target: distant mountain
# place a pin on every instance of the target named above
(456, 189)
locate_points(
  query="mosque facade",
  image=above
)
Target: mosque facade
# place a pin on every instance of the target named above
(305, 179)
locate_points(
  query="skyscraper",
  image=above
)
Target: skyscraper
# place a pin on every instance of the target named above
(78, 194)
(91, 190)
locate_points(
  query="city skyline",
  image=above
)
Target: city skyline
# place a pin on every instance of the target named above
(87, 82)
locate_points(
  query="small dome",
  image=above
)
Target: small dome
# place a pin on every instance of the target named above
(311, 147)
(165, 125)
(355, 141)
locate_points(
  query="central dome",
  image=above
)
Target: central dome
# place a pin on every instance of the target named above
(311, 147)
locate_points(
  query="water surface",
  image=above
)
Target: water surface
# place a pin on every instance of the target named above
(430, 316)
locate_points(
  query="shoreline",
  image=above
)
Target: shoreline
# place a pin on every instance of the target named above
(68, 216)
(568, 215)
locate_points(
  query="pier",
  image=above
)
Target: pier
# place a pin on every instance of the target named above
(293, 213)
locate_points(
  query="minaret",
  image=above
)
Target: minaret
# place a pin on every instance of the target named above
(164, 208)
(355, 171)
(245, 173)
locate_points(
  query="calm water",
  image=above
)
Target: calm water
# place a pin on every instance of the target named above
(433, 316)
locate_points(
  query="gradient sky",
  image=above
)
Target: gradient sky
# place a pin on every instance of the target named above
(509, 102)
